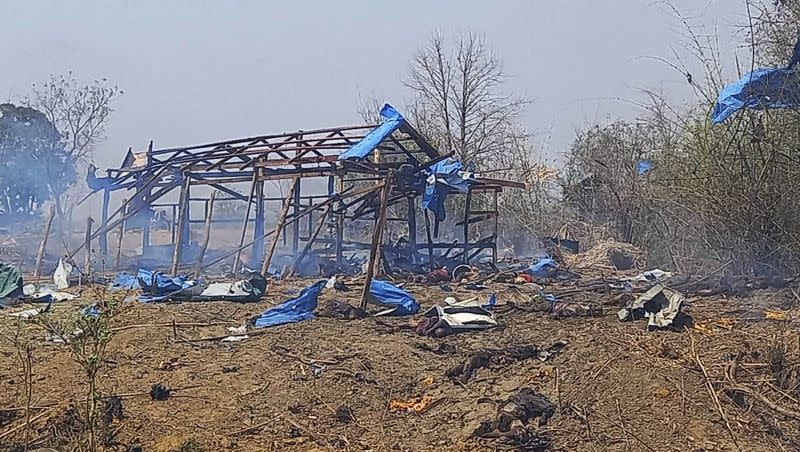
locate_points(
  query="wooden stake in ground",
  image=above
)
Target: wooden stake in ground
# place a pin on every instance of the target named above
(40, 255)
(199, 267)
(182, 206)
(250, 201)
(119, 239)
(377, 238)
(281, 219)
(310, 241)
(87, 263)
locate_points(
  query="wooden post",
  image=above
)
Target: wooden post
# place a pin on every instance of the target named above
(295, 210)
(146, 202)
(103, 238)
(278, 227)
(209, 213)
(183, 204)
(37, 271)
(257, 250)
(412, 227)
(311, 239)
(467, 207)
(496, 228)
(339, 222)
(235, 265)
(87, 263)
(119, 239)
(377, 238)
(428, 234)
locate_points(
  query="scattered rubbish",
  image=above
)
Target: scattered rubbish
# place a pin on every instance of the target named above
(443, 321)
(474, 286)
(242, 291)
(237, 329)
(45, 294)
(498, 358)
(710, 326)
(775, 315)
(91, 311)
(62, 274)
(656, 275)
(294, 310)
(340, 310)
(316, 369)
(462, 271)
(30, 313)
(513, 418)
(230, 369)
(10, 283)
(124, 281)
(446, 288)
(661, 306)
(344, 414)
(417, 405)
(112, 410)
(235, 338)
(567, 309)
(387, 294)
(157, 287)
(172, 364)
(159, 392)
(543, 268)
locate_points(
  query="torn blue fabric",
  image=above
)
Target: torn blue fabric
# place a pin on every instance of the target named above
(124, 281)
(543, 268)
(491, 302)
(388, 294)
(361, 149)
(294, 310)
(443, 178)
(157, 287)
(759, 90)
(643, 167)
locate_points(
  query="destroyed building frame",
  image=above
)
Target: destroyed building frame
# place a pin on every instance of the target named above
(390, 154)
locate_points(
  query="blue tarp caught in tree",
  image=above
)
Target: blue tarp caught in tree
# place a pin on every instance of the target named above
(294, 310)
(759, 90)
(361, 149)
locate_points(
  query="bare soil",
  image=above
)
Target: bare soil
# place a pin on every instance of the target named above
(326, 384)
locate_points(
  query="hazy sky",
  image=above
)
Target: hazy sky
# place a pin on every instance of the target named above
(197, 71)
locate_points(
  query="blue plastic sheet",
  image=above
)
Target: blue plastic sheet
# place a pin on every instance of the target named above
(157, 287)
(759, 90)
(491, 302)
(444, 178)
(295, 310)
(643, 167)
(388, 294)
(361, 149)
(124, 281)
(544, 268)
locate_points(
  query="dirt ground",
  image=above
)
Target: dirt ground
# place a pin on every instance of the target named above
(326, 384)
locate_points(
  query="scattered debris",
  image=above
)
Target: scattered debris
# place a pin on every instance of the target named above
(661, 306)
(442, 321)
(340, 310)
(344, 414)
(498, 358)
(172, 364)
(513, 418)
(417, 405)
(112, 410)
(159, 392)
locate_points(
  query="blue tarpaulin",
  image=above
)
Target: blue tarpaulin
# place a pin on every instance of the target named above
(157, 287)
(124, 281)
(643, 166)
(361, 149)
(442, 178)
(294, 310)
(388, 294)
(543, 268)
(759, 90)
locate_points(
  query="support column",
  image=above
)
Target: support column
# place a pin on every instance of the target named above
(412, 226)
(295, 211)
(183, 206)
(339, 222)
(104, 220)
(377, 239)
(276, 233)
(467, 207)
(257, 251)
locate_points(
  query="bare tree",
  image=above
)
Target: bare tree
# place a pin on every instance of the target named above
(80, 113)
(459, 98)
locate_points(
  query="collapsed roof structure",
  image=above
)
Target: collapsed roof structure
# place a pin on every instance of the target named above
(368, 168)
